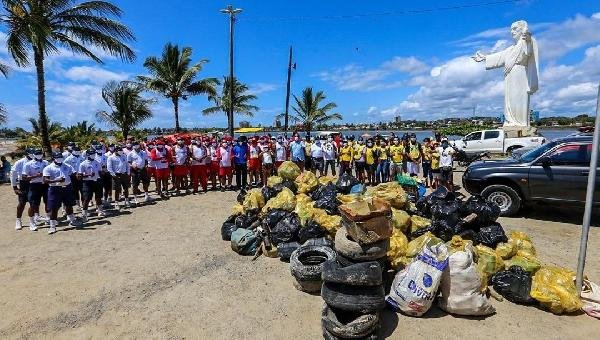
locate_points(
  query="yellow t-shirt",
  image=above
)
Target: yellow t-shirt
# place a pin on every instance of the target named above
(370, 156)
(397, 153)
(307, 146)
(383, 152)
(414, 152)
(435, 160)
(427, 153)
(346, 153)
(358, 150)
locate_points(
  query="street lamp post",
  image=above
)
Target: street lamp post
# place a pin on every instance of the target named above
(232, 12)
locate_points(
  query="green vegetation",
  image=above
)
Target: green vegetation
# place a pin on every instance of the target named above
(241, 99)
(310, 113)
(461, 129)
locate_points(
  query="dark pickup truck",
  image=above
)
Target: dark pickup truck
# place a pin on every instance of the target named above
(555, 172)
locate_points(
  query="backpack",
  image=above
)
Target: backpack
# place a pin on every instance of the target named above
(244, 241)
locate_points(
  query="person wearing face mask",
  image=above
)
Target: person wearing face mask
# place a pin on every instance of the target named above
(181, 170)
(32, 173)
(371, 158)
(359, 159)
(446, 161)
(266, 158)
(225, 156)
(198, 172)
(120, 171)
(414, 156)
(68, 150)
(298, 155)
(280, 152)
(254, 166)
(426, 163)
(105, 181)
(330, 154)
(435, 164)
(214, 164)
(308, 142)
(138, 161)
(151, 167)
(73, 161)
(240, 159)
(128, 146)
(317, 157)
(346, 157)
(382, 172)
(396, 157)
(89, 173)
(161, 158)
(60, 192)
(20, 186)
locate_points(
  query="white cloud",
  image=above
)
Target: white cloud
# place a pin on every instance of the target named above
(578, 91)
(259, 88)
(93, 74)
(371, 109)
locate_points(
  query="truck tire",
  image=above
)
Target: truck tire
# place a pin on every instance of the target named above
(348, 325)
(353, 298)
(360, 274)
(357, 252)
(306, 263)
(329, 336)
(505, 197)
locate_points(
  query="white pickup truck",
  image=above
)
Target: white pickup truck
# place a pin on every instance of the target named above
(495, 141)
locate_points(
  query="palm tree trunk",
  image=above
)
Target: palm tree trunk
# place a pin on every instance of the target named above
(125, 131)
(176, 106)
(43, 119)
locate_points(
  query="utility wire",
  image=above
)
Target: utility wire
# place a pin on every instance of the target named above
(379, 14)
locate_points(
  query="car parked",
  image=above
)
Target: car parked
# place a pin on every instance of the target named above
(555, 172)
(495, 141)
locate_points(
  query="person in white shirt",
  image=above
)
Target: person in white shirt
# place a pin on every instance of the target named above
(89, 173)
(32, 173)
(68, 150)
(198, 165)
(138, 161)
(316, 155)
(280, 152)
(181, 154)
(446, 162)
(73, 161)
(20, 186)
(119, 169)
(105, 181)
(58, 176)
(330, 154)
(225, 156)
(266, 158)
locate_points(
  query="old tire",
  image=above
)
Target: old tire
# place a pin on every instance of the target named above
(285, 250)
(505, 197)
(353, 298)
(306, 265)
(308, 286)
(328, 336)
(360, 274)
(357, 252)
(348, 325)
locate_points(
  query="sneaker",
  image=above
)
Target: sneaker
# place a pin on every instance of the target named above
(33, 227)
(147, 199)
(102, 214)
(51, 230)
(18, 225)
(84, 218)
(77, 223)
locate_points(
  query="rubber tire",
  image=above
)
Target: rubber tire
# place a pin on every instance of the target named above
(345, 262)
(310, 272)
(360, 274)
(357, 252)
(328, 336)
(516, 199)
(353, 298)
(359, 327)
(308, 286)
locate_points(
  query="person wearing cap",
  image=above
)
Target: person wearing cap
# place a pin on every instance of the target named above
(68, 150)
(138, 161)
(89, 174)
(414, 153)
(359, 159)
(266, 157)
(20, 186)
(213, 173)
(317, 159)
(73, 161)
(119, 169)
(60, 192)
(308, 142)
(151, 167)
(182, 154)
(105, 180)
(330, 155)
(280, 152)
(161, 158)
(435, 164)
(225, 157)
(426, 163)
(198, 165)
(371, 159)
(346, 157)
(396, 158)
(240, 160)
(383, 166)
(32, 173)
(298, 156)
(254, 167)
(446, 161)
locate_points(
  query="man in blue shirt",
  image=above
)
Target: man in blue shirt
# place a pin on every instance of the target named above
(297, 150)
(240, 159)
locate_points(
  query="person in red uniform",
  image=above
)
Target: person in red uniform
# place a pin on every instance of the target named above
(162, 159)
(214, 163)
(225, 157)
(199, 154)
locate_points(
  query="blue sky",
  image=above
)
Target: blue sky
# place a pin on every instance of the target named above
(374, 59)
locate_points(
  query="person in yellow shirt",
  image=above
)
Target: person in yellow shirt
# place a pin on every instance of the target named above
(383, 168)
(359, 159)
(435, 165)
(396, 158)
(371, 160)
(413, 151)
(307, 154)
(427, 150)
(346, 155)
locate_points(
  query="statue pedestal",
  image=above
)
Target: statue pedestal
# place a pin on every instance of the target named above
(520, 131)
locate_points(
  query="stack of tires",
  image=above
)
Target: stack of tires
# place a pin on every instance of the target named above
(352, 285)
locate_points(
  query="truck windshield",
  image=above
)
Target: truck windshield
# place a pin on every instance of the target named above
(530, 156)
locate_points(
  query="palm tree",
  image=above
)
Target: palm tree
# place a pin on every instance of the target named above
(34, 139)
(45, 25)
(128, 107)
(173, 76)
(241, 99)
(82, 133)
(309, 111)
(4, 72)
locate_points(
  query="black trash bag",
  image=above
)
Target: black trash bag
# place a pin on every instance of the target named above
(231, 218)
(241, 196)
(321, 242)
(268, 193)
(286, 184)
(285, 250)
(325, 197)
(226, 229)
(311, 230)
(242, 222)
(445, 230)
(449, 212)
(422, 231)
(491, 235)
(273, 217)
(425, 203)
(467, 234)
(345, 183)
(286, 229)
(316, 193)
(487, 212)
(514, 285)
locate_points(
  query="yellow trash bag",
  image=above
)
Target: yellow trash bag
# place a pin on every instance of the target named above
(306, 182)
(350, 198)
(285, 200)
(417, 222)
(415, 246)
(331, 223)
(506, 250)
(237, 209)
(254, 200)
(269, 252)
(391, 192)
(398, 246)
(288, 170)
(523, 243)
(400, 220)
(324, 180)
(488, 261)
(457, 244)
(530, 264)
(304, 208)
(273, 181)
(554, 288)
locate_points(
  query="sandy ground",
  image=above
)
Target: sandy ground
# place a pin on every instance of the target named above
(161, 271)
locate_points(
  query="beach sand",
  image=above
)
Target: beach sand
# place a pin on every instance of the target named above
(161, 271)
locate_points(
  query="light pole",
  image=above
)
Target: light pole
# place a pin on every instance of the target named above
(287, 95)
(232, 12)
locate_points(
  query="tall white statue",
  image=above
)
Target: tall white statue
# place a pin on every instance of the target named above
(520, 62)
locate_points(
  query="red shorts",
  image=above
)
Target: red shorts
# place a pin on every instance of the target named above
(162, 173)
(181, 170)
(214, 167)
(225, 171)
(151, 172)
(253, 164)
